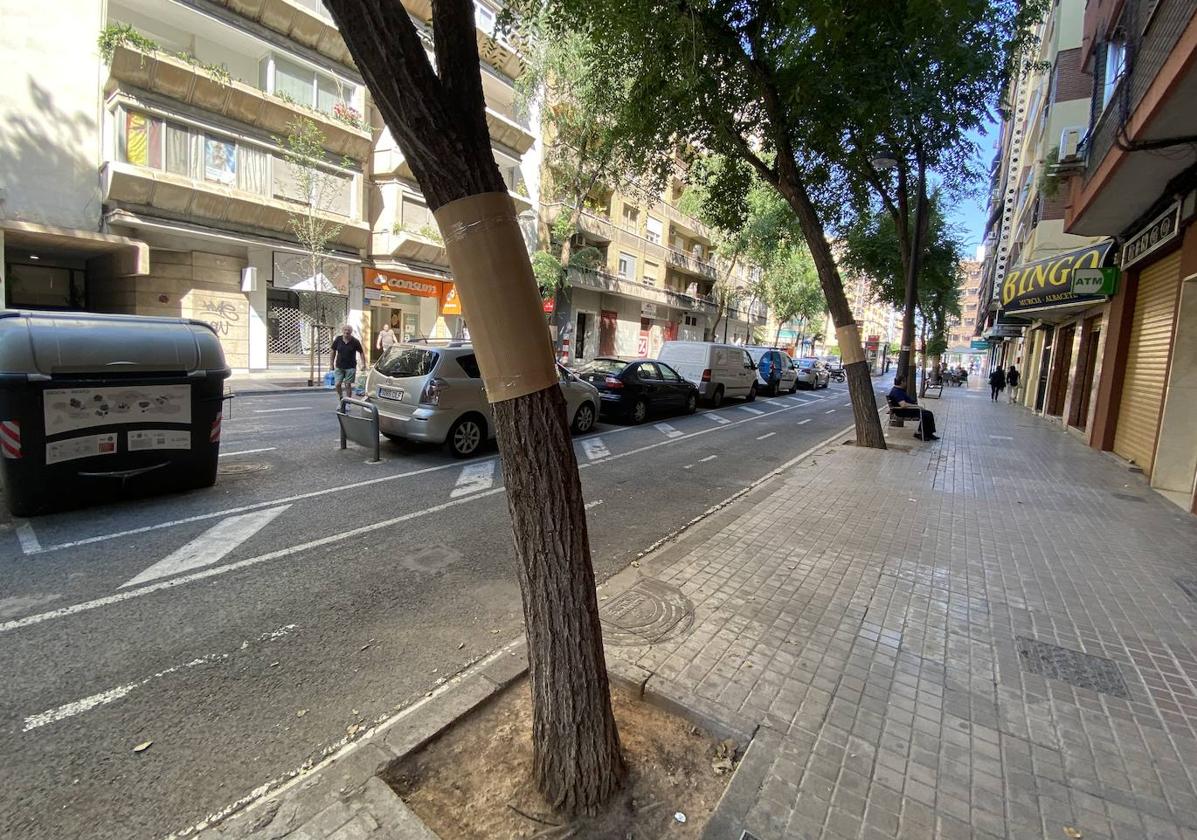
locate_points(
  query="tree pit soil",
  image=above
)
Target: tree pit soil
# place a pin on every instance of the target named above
(475, 780)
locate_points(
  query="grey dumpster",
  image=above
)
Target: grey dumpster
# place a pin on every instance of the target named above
(93, 407)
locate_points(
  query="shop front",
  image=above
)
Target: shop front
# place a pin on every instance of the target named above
(415, 306)
(1058, 305)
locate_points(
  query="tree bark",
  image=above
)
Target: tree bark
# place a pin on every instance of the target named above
(913, 265)
(439, 122)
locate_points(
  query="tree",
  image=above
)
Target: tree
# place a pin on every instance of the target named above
(731, 77)
(794, 290)
(436, 114)
(303, 150)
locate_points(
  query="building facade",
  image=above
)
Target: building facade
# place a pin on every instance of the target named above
(961, 328)
(149, 174)
(1106, 330)
(879, 325)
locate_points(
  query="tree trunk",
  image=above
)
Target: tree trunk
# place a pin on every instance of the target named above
(860, 383)
(439, 122)
(913, 265)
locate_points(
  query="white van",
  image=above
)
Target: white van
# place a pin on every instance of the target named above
(719, 370)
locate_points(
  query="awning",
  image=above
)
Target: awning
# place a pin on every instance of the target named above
(1046, 283)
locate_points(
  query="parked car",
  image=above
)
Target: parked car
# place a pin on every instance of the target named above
(433, 393)
(634, 389)
(813, 374)
(718, 371)
(775, 371)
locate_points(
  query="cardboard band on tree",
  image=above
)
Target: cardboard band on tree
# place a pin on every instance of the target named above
(850, 348)
(493, 277)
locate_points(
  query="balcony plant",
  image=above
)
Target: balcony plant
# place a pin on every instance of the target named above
(346, 113)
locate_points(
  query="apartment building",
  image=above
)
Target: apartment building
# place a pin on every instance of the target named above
(878, 323)
(655, 280)
(961, 328)
(149, 175)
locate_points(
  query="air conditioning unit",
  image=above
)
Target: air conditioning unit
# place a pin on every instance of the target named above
(1070, 144)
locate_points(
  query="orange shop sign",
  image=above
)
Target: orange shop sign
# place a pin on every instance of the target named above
(450, 302)
(404, 284)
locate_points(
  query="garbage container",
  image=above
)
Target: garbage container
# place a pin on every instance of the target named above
(96, 406)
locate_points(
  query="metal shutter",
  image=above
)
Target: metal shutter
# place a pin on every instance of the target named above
(1146, 370)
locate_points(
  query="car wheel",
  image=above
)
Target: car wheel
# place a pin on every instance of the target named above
(584, 418)
(691, 403)
(751, 393)
(717, 400)
(466, 436)
(639, 412)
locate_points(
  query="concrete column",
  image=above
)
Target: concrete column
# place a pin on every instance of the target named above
(263, 260)
(356, 300)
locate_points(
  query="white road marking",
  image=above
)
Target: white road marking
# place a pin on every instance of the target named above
(846, 405)
(718, 418)
(812, 401)
(750, 409)
(803, 422)
(668, 431)
(209, 547)
(253, 451)
(1000, 437)
(204, 574)
(797, 400)
(593, 504)
(708, 458)
(78, 707)
(688, 467)
(273, 410)
(29, 542)
(474, 478)
(829, 411)
(595, 448)
(768, 435)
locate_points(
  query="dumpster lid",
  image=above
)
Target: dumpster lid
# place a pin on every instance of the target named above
(60, 343)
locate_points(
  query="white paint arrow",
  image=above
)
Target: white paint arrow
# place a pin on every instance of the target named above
(210, 546)
(474, 478)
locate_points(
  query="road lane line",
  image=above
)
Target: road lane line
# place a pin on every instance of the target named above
(829, 411)
(28, 538)
(103, 698)
(474, 478)
(595, 448)
(204, 574)
(803, 422)
(708, 458)
(750, 409)
(210, 547)
(668, 431)
(846, 405)
(274, 410)
(769, 435)
(718, 418)
(253, 451)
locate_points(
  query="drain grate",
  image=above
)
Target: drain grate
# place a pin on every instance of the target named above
(1188, 586)
(1127, 497)
(646, 613)
(1082, 670)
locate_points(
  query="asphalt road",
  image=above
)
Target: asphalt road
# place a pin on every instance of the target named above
(245, 629)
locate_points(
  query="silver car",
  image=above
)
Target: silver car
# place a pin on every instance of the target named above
(433, 393)
(813, 374)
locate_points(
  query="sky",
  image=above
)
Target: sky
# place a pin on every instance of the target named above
(970, 214)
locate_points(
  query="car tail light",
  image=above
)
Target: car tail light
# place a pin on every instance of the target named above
(613, 382)
(706, 375)
(431, 395)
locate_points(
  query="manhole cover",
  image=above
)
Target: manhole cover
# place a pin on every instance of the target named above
(240, 469)
(1082, 670)
(647, 613)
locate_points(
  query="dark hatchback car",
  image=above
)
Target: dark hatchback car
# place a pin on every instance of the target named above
(635, 389)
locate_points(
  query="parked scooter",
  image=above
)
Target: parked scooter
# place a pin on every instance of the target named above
(839, 376)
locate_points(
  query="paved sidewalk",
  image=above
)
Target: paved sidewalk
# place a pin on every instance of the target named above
(987, 636)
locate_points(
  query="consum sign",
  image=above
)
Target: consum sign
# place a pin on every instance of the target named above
(1047, 283)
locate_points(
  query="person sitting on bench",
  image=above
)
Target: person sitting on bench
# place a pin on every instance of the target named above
(901, 404)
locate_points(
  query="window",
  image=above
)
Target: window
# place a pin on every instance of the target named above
(651, 271)
(484, 18)
(653, 229)
(308, 87)
(152, 142)
(648, 370)
(631, 218)
(668, 373)
(400, 361)
(1114, 70)
(627, 266)
(690, 320)
(469, 363)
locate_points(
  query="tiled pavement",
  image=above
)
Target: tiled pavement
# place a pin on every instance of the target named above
(987, 636)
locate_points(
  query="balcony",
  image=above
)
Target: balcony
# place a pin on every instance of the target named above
(185, 198)
(496, 52)
(417, 246)
(296, 22)
(596, 227)
(191, 84)
(505, 130)
(691, 265)
(601, 281)
(391, 163)
(688, 225)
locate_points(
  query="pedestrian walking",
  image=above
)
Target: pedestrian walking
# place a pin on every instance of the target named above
(345, 351)
(1012, 377)
(386, 338)
(997, 382)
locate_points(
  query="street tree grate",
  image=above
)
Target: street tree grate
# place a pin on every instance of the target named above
(646, 613)
(1082, 670)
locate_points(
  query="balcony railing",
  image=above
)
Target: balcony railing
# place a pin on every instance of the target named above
(409, 245)
(191, 84)
(603, 282)
(300, 24)
(686, 262)
(187, 198)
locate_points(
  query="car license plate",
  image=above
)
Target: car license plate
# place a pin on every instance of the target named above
(390, 394)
